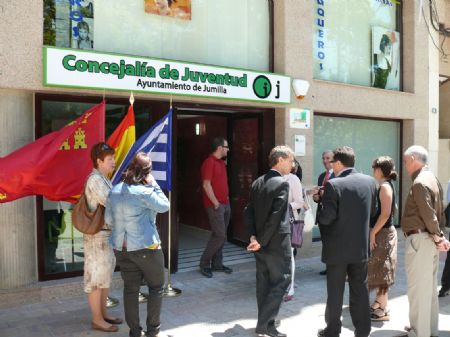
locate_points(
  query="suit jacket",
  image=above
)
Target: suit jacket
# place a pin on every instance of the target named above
(348, 203)
(267, 211)
(320, 183)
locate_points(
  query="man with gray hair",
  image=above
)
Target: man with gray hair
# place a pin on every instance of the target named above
(267, 220)
(421, 225)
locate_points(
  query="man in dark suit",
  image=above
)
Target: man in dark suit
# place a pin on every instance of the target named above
(327, 157)
(348, 203)
(267, 220)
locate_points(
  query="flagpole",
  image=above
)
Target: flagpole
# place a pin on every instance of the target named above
(169, 291)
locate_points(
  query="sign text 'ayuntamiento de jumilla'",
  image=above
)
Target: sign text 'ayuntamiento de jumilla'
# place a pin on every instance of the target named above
(94, 70)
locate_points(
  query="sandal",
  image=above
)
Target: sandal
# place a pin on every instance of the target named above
(373, 308)
(380, 314)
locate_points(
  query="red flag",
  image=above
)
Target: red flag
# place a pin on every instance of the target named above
(56, 165)
(123, 137)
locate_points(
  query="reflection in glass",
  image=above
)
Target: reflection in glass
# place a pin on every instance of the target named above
(63, 244)
(346, 40)
(369, 138)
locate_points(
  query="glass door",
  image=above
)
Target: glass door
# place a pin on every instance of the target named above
(244, 169)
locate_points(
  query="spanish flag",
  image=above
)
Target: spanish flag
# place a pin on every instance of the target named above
(123, 136)
(56, 165)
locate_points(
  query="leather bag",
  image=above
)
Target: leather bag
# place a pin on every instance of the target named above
(84, 220)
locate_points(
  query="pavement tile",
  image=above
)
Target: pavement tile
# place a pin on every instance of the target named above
(224, 306)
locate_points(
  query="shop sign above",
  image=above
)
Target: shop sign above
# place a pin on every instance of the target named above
(92, 70)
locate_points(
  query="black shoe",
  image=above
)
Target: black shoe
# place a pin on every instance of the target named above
(223, 269)
(323, 272)
(443, 292)
(140, 334)
(206, 272)
(273, 332)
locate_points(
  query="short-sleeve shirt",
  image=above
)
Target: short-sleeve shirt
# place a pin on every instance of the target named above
(215, 170)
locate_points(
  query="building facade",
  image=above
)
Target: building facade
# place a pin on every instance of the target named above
(371, 65)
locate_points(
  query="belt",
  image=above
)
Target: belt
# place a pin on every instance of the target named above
(415, 231)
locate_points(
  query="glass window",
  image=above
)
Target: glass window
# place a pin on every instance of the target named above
(62, 243)
(384, 139)
(357, 42)
(232, 33)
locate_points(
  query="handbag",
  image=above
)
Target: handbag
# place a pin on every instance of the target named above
(296, 230)
(84, 220)
(297, 233)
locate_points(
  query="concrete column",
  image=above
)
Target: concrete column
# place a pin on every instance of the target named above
(433, 102)
(18, 266)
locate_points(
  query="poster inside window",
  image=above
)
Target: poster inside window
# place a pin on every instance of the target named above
(69, 23)
(385, 58)
(357, 42)
(179, 9)
(189, 30)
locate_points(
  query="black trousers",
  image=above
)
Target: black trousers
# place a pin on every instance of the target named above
(359, 298)
(135, 265)
(445, 279)
(273, 276)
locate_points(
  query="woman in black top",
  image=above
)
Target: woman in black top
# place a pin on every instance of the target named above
(383, 238)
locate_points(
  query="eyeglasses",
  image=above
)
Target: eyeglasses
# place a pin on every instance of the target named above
(226, 147)
(106, 147)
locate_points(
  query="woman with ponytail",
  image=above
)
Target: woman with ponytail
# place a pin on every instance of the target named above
(383, 238)
(131, 211)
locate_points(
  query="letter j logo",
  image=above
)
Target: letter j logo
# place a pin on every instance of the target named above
(262, 86)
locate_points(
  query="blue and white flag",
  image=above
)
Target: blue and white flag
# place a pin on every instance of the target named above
(157, 142)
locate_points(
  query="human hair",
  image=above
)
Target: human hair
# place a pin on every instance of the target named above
(170, 2)
(280, 151)
(216, 142)
(100, 151)
(344, 154)
(387, 167)
(83, 25)
(326, 151)
(384, 42)
(298, 170)
(138, 169)
(418, 152)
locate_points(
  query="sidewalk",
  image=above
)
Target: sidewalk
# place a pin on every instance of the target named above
(224, 306)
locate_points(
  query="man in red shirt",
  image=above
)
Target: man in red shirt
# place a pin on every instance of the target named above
(217, 205)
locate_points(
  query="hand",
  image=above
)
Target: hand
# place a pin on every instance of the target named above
(254, 245)
(216, 204)
(373, 241)
(316, 197)
(443, 245)
(149, 180)
(305, 206)
(312, 191)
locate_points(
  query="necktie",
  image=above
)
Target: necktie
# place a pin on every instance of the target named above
(327, 177)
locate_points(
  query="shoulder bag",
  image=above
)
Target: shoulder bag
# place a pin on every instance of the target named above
(296, 229)
(84, 220)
